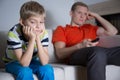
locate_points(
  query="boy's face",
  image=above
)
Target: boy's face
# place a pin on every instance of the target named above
(79, 15)
(36, 23)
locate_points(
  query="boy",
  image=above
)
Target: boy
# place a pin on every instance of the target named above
(74, 42)
(27, 51)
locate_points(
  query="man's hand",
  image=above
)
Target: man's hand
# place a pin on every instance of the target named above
(86, 43)
(92, 15)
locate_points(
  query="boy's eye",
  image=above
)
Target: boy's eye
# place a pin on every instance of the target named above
(32, 22)
(41, 22)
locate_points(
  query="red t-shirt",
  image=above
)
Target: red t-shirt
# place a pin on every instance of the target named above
(72, 35)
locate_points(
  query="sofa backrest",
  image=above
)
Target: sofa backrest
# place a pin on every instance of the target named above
(3, 39)
(52, 55)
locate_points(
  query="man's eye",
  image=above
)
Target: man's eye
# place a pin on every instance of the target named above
(86, 14)
(79, 12)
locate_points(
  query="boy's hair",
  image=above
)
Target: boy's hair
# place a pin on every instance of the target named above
(31, 8)
(78, 4)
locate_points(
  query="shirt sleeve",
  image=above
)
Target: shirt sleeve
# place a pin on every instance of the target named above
(89, 31)
(45, 39)
(13, 41)
(93, 31)
(59, 35)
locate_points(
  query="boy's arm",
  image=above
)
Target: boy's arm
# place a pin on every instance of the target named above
(25, 58)
(107, 28)
(42, 52)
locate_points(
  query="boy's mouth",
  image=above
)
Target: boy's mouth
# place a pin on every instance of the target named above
(39, 31)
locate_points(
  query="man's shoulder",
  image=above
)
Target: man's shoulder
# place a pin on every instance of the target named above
(89, 26)
(59, 28)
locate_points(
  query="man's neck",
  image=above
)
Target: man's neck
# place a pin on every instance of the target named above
(73, 24)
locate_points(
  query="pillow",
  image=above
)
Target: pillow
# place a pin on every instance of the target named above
(109, 41)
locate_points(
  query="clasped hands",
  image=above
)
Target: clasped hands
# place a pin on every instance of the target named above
(86, 43)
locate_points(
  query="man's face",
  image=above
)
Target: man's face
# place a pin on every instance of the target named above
(36, 23)
(79, 15)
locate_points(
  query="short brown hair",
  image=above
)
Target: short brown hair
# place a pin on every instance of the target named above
(78, 4)
(31, 8)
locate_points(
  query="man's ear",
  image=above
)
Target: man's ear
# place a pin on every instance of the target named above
(70, 13)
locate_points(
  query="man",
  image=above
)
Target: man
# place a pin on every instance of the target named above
(74, 42)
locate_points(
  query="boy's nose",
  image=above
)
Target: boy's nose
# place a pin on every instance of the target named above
(37, 26)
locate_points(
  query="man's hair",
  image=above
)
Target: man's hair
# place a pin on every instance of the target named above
(78, 4)
(31, 8)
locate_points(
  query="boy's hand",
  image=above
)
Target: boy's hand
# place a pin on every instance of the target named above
(29, 33)
(38, 33)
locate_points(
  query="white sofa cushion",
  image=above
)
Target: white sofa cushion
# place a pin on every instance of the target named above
(112, 72)
(51, 48)
(58, 71)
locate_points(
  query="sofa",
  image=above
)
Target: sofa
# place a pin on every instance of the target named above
(63, 71)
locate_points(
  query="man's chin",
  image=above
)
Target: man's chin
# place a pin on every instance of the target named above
(80, 24)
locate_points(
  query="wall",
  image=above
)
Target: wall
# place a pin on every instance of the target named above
(90, 2)
(106, 7)
(57, 12)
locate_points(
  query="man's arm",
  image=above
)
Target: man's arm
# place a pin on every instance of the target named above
(63, 52)
(107, 28)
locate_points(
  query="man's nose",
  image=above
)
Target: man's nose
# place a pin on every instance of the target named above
(82, 15)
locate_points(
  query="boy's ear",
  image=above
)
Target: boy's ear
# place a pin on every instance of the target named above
(21, 22)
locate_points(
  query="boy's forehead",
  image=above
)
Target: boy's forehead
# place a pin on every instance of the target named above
(37, 17)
